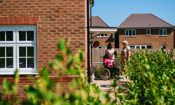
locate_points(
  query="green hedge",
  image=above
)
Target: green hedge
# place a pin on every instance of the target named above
(152, 76)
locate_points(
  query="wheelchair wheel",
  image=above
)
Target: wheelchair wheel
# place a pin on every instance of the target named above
(105, 74)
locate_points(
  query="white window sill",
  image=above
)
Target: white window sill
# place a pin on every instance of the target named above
(130, 36)
(162, 35)
(21, 72)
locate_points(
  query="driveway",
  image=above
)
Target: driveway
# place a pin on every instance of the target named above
(106, 85)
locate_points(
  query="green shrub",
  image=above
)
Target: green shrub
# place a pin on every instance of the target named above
(41, 91)
(152, 78)
(97, 71)
(118, 58)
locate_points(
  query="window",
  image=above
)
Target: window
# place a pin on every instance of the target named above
(162, 32)
(141, 47)
(149, 47)
(18, 49)
(137, 47)
(100, 47)
(113, 35)
(148, 32)
(132, 47)
(102, 35)
(164, 46)
(6, 57)
(130, 32)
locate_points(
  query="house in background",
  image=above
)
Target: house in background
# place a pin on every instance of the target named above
(101, 32)
(146, 31)
(29, 33)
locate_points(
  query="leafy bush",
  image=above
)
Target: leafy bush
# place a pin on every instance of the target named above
(152, 78)
(118, 59)
(97, 71)
(41, 91)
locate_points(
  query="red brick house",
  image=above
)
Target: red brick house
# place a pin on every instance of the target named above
(146, 31)
(29, 33)
(102, 32)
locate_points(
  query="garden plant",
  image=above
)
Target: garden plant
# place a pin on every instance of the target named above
(151, 82)
(152, 78)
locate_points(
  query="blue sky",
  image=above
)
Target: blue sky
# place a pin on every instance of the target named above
(114, 12)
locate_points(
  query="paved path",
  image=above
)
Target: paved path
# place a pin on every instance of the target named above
(106, 85)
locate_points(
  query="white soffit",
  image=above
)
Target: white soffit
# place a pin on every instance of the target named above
(101, 30)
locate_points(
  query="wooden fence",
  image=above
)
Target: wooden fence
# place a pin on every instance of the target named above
(97, 54)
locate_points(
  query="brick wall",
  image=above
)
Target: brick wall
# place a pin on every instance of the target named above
(58, 19)
(154, 39)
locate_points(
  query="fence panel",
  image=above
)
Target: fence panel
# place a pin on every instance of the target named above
(97, 54)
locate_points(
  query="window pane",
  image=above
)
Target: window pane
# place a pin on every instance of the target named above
(2, 35)
(137, 47)
(148, 32)
(30, 51)
(100, 47)
(164, 46)
(160, 32)
(9, 51)
(22, 51)
(126, 32)
(149, 47)
(2, 62)
(2, 51)
(130, 32)
(143, 47)
(30, 62)
(132, 47)
(22, 35)
(9, 35)
(30, 35)
(134, 33)
(9, 62)
(22, 62)
(164, 32)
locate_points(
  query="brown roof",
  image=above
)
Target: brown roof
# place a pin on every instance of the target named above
(144, 21)
(97, 21)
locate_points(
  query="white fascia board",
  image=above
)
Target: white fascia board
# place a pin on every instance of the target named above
(103, 29)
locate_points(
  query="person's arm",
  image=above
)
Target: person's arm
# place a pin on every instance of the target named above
(115, 52)
(106, 52)
(129, 53)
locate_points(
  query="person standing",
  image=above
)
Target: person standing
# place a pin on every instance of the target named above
(125, 54)
(111, 55)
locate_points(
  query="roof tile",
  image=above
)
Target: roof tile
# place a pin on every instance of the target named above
(144, 21)
(97, 21)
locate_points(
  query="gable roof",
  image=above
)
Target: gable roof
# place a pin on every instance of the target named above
(97, 21)
(144, 21)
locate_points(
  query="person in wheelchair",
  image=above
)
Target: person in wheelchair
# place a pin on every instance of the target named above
(110, 61)
(107, 62)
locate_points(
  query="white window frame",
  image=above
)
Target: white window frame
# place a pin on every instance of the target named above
(100, 36)
(148, 30)
(164, 45)
(5, 70)
(5, 29)
(140, 46)
(161, 34)
(132, 30)
(16, 44)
